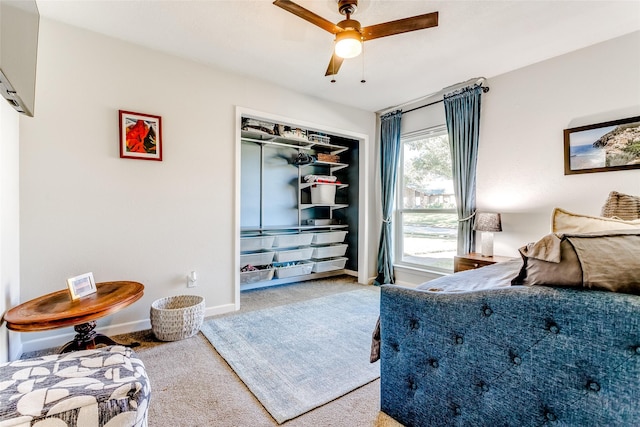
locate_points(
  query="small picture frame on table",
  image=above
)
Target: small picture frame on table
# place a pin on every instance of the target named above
(81, 286)
(140, 136)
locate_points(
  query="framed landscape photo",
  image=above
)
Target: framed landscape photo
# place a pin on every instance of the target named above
(81, 286)
(140, 136)
(602, 147)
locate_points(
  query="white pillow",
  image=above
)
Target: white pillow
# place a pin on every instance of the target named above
(564, 222)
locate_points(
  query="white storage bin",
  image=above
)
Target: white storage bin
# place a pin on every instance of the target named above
(291, 240)
(293, 255)
(260, 258)
(329, 265)
(256, 243)
(256, 276)
(323, 194)
(329, 251)
(299, 269)
(326, 237)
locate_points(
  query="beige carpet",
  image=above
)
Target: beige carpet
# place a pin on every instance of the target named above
(192, 386)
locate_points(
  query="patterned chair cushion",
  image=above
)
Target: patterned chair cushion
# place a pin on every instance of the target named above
(106, 387)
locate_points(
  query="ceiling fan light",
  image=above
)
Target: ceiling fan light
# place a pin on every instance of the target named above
(348, 44)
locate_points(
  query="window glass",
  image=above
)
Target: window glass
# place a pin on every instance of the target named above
(426, 218)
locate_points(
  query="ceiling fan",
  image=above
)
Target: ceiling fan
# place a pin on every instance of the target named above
(350, 34)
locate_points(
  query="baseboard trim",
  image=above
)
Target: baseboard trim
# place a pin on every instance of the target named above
(221, 309)
(57, 340)
(16, 351)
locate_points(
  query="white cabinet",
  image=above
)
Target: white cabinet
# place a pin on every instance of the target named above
(314, 246)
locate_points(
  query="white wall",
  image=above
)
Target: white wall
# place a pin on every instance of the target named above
(521, 153)
(85, 209)
(520, 158)
(9, 225)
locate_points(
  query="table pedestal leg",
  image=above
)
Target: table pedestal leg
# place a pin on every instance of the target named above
(87, 338)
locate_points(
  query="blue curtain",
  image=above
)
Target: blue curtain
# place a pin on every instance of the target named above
(389, 158)
(462, 110)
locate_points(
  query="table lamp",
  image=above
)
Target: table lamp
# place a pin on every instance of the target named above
(488, 223)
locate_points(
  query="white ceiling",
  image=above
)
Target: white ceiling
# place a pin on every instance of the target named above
(255, 38)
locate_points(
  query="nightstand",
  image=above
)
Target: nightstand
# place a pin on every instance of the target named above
(475, 260)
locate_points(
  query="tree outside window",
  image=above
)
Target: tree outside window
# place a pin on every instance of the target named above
(426, 218)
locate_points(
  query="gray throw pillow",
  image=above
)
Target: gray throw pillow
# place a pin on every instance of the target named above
(551, 261)
(605, 260)
(609, 262)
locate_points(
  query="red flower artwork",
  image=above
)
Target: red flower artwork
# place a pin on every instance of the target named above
(141, 138)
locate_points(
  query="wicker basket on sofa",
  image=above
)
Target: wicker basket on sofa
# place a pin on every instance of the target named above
(178, 317)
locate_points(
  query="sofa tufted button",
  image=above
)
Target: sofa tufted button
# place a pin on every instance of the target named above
(413, 324)
(516, 360)
(553, 328)
(638, 349)
(434, 363)
(459, 340)
(487, 311)
(593, 386)
(484, 387)
(457, 411)
(395, 346)
(550, 416)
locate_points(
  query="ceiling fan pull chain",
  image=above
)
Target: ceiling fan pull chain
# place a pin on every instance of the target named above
(333, 69)
(363, 80)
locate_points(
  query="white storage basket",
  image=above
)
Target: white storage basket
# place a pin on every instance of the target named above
(329, 265)
(178, 317)
(256, 276)
(329, 251)
(304, 267)
(260, 258)
(326, 237)
(256, 243)
(291, 240)
(293, 255)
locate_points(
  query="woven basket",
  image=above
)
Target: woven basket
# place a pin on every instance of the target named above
(178, 317)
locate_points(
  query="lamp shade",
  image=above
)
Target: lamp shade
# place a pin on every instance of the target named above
(348, 44)
(488, 221)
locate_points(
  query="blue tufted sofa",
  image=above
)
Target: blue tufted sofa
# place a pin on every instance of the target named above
(517, 356)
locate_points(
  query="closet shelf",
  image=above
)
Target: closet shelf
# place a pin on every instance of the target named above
(317, 205)
(309, 184)
(333, 167)
(284, 228)
(297, 143)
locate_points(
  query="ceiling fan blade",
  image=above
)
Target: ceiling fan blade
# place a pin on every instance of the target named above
(400, 26)
(334, 65)
(307, 15)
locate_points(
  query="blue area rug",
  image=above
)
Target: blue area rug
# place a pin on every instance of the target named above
(299, 356)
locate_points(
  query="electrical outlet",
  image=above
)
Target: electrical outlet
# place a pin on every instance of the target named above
(192, 280)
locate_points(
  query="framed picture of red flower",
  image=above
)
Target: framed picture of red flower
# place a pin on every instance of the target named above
(140, 136)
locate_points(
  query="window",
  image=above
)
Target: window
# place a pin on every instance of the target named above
(426, 220)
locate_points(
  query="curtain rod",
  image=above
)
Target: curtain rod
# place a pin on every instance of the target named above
(485, 89)
(477, 80)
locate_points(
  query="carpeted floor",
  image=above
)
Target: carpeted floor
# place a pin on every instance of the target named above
(192, 386)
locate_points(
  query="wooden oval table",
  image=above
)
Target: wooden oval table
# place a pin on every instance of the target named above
(57, 310)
